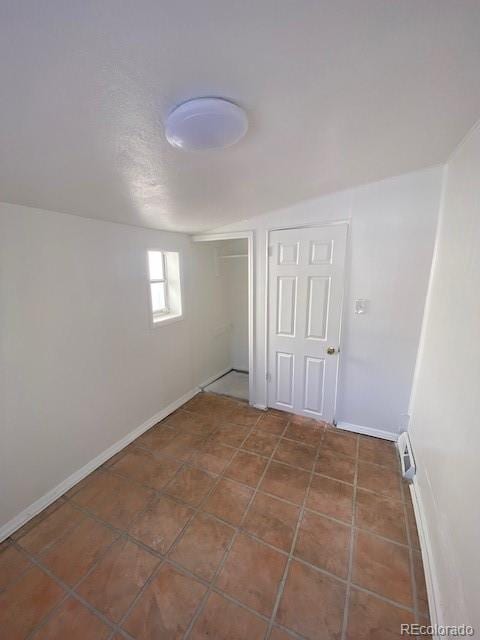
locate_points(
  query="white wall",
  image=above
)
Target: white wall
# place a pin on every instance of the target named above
(392, 231)
(81, 365)
(446, 397)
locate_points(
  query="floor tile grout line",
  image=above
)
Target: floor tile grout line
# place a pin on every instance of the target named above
(52, 543)
(177, 538)
(257, 453)
(183, 464)
(283, 581)
(69, 592)
(278, 435)
(134, 602)
(215, 475)
(172, 546)
(232, 542)
(37, 559)
(199, 507)
(20, 575)
(351, 551)
(164, 559)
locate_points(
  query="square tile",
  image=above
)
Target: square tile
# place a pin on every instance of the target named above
(331, 497)
(246, 467)
(377, 451)
(202, 546)
(285, 482)
(261, 443)
(27, 602)
(381, 480)
(212, 457)
(381, 515)
(370, 618)
(324, 543)
(156, 438)
(228, 501)
(186, 422)
(115, 458)
(244, 415)
(166, 607)
(147, 467)
(272, 424)
(382, 567)
(210, 405)
(19, 533)
(73, 621)
(221, 619)
(305, 433)
(12, 564)
(272, 520)
(72, 556)
(295, 454)
(312, 603)
(183, 446)
(83, 483)
(117, 578)
(231, 435)
(335, 466)
(113, 499)
(190, 485)
(345, 444)
(160, 525)
(51, 528)
(252, 574)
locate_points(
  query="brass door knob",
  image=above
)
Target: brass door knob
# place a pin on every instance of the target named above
(331, 351)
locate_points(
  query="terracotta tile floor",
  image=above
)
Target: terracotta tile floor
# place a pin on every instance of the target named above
(227, 523)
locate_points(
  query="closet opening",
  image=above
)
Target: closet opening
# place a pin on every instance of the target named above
(234, 271)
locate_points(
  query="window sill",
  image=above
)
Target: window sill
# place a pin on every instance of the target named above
(168, 318)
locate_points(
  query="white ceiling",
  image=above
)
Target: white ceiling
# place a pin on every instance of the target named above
(338, 92)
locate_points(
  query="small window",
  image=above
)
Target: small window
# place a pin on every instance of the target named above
(165, 294)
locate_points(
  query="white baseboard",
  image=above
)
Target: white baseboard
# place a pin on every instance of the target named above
(368, 431)
(47, 499)
(433, 592)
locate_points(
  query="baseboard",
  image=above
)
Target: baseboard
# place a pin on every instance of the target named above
(47, 499)
(431, 581)
(368, 431)
(218, 375)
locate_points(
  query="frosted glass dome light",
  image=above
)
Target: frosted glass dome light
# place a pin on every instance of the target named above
(205, 123)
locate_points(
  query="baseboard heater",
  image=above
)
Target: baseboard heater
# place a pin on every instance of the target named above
(406, 456)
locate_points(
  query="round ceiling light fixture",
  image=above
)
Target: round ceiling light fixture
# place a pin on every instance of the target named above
(205, 123)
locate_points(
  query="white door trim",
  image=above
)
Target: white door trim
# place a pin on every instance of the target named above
(328, 223)
(249, 235)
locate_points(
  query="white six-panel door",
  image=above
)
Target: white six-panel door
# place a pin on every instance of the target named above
(306, 273)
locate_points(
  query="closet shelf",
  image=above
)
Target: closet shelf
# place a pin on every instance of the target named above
(234, 255)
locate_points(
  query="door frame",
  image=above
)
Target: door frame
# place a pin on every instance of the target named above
(342, 304)
(249, 235)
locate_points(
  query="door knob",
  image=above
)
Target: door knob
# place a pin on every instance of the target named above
(331, 351)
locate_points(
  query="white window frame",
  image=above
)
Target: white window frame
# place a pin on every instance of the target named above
(166, 315)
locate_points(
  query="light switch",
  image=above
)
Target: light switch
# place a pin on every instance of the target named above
(361, 306)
